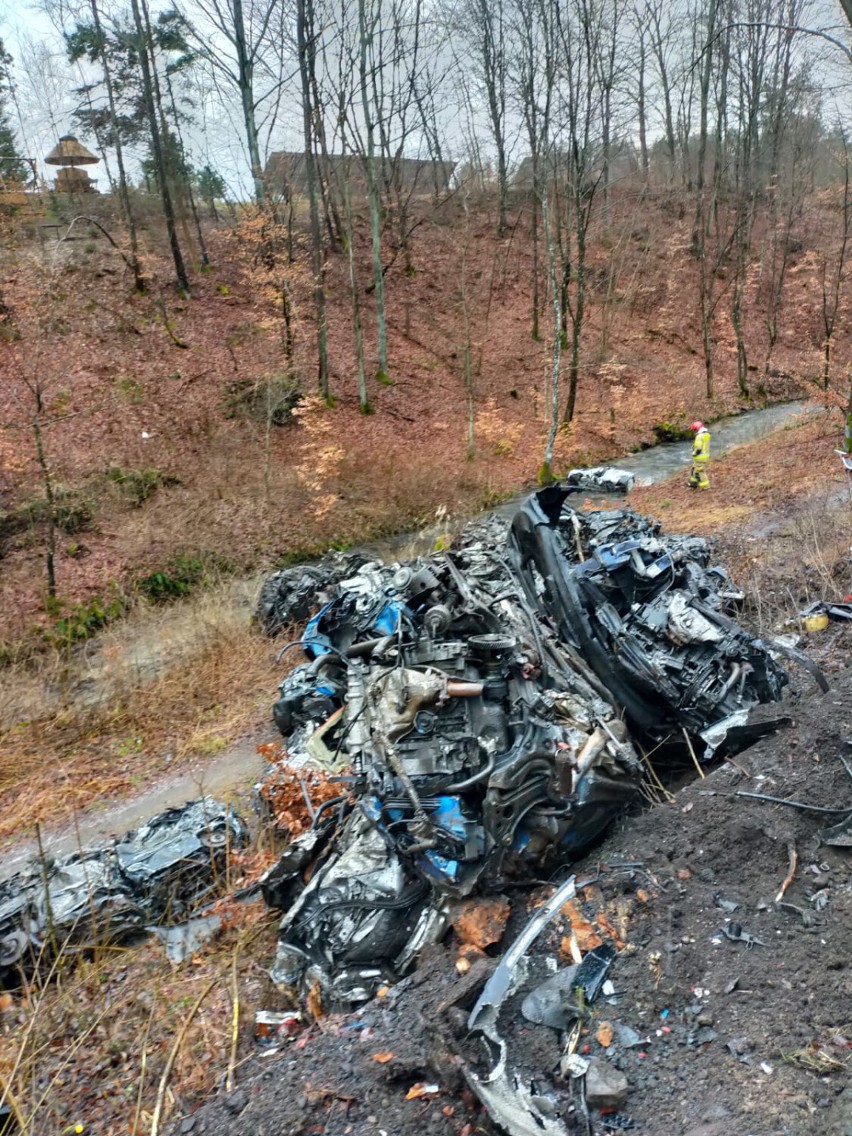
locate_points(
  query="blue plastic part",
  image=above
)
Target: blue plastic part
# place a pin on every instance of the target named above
(438, 867)
(387, 620)
(314, 643)
(449, 816)
(372, 806)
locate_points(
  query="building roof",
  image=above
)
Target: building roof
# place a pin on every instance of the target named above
(69, 152)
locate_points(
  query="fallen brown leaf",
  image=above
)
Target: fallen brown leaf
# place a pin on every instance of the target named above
(383, 1058)
(313, 1002)
(421, 1090)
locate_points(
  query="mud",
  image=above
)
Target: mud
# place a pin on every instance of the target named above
(732, 1039)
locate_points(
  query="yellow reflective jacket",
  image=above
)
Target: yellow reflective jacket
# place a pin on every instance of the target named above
(701, 446)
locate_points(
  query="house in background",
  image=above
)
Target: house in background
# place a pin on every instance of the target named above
(285, 173)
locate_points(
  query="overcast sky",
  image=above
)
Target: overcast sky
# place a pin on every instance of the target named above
(46, 99)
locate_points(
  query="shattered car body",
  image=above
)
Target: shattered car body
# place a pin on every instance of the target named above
(159, 872)
(475, 706)
(600, 478)
(650, 615)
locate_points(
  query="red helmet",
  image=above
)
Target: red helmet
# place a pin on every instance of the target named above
(696, 426)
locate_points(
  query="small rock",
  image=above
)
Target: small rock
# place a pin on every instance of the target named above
(704, 1019)
(715, 1112)
(187, 1124)
(606, 1087)
(626, 1036)
(236, 1102)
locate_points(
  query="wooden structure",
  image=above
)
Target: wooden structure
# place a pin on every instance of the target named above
(69, 154)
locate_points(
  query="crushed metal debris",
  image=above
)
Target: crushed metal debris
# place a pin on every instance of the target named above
(159, 873)
(481, 709)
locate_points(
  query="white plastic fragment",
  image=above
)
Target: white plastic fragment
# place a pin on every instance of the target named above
(576, 1065)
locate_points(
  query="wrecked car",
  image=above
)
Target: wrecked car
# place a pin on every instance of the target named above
(480, 707)
(110, 893)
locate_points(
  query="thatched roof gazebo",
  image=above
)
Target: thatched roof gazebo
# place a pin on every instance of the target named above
(69, 154)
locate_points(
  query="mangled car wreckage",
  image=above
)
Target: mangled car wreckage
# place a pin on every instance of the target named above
(483, 709)
(114, 892)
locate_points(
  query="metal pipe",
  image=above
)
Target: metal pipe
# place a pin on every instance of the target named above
(460, 688)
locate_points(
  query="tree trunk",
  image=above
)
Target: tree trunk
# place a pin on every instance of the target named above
(492, 68)
(536, 333)
(47, 482)
(123, 192)
(245, 82)
(363, 400)
(205, 259)
(365, 39)
(706, 70)
(306, 43)
(156, 147)
(642, 114)
(545, 472)
(577, 317)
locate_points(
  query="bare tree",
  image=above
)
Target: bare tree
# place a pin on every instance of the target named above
(123, 191)
(657, 18)
(483, 27)
(306, 40)
(587, 63)
(153, 110)
(257, 63)
(369, 61)
(833, 272)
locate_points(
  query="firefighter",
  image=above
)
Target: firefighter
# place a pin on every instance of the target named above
(698, 478)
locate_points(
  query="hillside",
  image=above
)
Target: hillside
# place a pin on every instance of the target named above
(160, 417)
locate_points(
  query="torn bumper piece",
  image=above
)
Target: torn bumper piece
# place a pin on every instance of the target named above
(519, 1099)
(161, 871)
(476, 706)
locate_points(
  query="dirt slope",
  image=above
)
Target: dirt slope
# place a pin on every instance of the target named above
(158, 437)
(733, 1039)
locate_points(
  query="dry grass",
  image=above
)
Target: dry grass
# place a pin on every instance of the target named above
(102, 1042)
(778, 513)
(216, 679)
(777, 475)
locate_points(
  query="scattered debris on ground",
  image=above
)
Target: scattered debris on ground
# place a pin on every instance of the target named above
(465, 726)
(108, 894)
(691, 1031)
